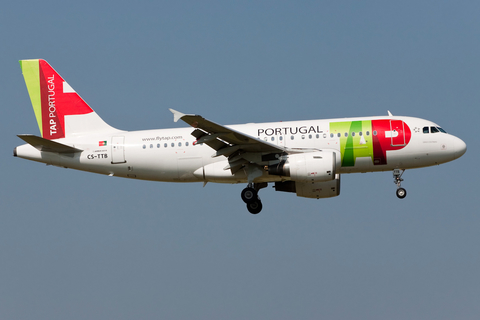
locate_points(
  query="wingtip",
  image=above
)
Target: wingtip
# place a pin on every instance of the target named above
(177, 115)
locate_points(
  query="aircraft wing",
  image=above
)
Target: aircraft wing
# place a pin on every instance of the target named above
(223, 139)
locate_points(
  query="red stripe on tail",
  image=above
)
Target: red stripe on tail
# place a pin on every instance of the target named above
(58, 100)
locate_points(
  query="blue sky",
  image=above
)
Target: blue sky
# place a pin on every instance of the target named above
(76, 245)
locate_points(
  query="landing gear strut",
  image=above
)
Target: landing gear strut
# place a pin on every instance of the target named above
(397, 179)
(250, 197)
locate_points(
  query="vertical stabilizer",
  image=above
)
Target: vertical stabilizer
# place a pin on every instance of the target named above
(59, 110)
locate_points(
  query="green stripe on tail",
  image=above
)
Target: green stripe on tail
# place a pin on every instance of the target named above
(31, 73)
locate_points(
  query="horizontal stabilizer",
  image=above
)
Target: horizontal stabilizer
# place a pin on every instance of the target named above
(42, 144)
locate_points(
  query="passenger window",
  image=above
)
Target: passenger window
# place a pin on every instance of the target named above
(280, 138)
(179, 144)
(324, 135)
(292, 138)
(367, 133)
(173, 144)
(425, 130)
(273, 139)
(353, 134)
(374, 132)
(158, 145)
(360, 133)
(339, 134)
(151, 146)
(346, 134)
(331, 135)
(144, 146)
(433, 130)
(186, 144)
(165, 145)
(309, 136)
(303, 136)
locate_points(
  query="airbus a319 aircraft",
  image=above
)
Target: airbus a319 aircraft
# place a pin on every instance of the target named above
(302, 157)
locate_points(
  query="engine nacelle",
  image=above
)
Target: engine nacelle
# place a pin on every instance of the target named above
(308, 167)
(326, 189)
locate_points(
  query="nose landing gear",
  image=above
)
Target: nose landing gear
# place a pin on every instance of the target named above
(250, 197)
(397, 179)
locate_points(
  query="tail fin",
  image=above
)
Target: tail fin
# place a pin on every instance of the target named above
(59, 110)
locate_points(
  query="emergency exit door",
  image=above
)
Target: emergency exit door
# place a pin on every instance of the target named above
(397, 133)
(118, 150)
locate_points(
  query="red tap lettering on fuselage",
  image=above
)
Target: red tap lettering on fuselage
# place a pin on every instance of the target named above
(388, 135)
(369, 139)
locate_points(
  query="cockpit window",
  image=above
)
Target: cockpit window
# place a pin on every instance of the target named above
(433, 130)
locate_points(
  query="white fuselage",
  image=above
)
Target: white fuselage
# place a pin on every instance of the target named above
(172, 155)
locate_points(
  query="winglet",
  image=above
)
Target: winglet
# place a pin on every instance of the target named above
(176, 115)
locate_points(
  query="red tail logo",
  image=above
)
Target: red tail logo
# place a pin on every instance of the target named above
(58, 100)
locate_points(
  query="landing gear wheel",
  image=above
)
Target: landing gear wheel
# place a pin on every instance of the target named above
(249, 195)
(401, 193)
(255, 206)
(397, 179)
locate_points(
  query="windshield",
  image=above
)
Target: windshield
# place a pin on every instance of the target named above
(433, 130)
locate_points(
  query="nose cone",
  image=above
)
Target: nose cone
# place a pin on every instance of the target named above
(460, 147)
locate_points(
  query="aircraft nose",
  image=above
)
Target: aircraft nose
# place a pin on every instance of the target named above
(460, 147)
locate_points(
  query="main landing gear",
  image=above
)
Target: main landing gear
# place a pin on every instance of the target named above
(250, 197)
(397, 179)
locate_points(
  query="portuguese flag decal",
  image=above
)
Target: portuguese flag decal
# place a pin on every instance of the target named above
(102, 143)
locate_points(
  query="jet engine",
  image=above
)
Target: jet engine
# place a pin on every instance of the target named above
(310, 167)
(325, 189)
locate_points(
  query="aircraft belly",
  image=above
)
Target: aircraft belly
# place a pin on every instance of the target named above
(215, 172)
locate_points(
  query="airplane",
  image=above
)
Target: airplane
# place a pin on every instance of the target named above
(302, 157)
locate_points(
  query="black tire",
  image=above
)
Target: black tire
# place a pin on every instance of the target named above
(254, 207)
(249, 195)
(401, 193)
